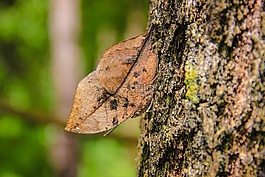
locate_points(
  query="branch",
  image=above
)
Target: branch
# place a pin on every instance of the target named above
(32, 116)
(44, 118)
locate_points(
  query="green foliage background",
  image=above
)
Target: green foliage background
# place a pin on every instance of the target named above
(25, 83)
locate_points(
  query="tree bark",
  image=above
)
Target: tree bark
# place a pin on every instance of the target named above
(207, 116)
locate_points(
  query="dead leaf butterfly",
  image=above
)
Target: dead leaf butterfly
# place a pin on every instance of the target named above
(120, 88)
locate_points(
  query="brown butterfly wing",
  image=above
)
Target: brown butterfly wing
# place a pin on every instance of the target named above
(137, 87)
(101, 102)
(110, 114)
(116, 62)
(89, 96)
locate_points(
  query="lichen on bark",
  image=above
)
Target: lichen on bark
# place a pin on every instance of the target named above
(207, 116)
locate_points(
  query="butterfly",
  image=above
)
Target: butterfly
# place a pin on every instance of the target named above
(120, 88)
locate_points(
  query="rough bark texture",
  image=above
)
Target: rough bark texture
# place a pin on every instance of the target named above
(207, 116)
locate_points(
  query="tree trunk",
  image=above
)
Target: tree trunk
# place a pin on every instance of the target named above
(64, 32)
(207, 116)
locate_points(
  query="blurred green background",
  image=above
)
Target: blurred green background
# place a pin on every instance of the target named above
(27, 88)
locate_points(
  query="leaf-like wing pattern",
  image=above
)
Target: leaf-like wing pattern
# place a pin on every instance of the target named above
(120, 88)
(116, 62)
